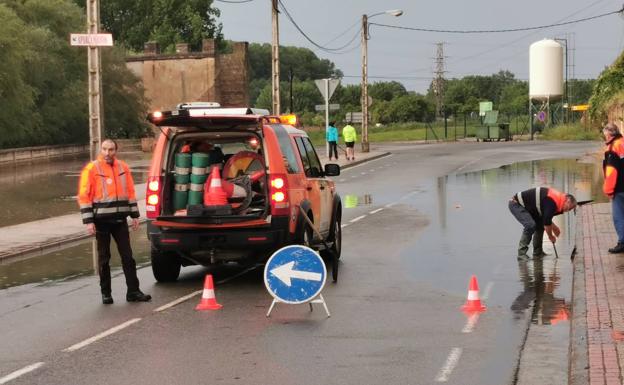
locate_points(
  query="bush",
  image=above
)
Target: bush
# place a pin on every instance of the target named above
(574, 131)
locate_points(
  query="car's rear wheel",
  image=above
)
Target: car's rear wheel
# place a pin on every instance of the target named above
(335, 239)
(165, 265)
(307, 236)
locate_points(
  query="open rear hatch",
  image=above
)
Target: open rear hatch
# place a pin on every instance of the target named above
(215, 172)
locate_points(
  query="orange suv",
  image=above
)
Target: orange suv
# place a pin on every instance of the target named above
(270, 176)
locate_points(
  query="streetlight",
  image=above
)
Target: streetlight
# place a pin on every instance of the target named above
(392, 12)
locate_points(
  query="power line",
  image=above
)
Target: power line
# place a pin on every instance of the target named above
(323, 48)
(499, 30)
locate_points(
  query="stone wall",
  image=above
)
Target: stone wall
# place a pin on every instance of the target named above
(29, 154)
(192, 76)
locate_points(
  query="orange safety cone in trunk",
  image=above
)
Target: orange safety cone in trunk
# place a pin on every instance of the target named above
(208, 300)
(473, 303)
(214, 195)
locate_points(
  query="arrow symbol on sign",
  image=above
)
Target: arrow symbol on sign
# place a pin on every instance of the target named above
(286, 272)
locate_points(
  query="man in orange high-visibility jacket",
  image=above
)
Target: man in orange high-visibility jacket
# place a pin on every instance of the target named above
(534, 209)
(106, 197)
(613, 186)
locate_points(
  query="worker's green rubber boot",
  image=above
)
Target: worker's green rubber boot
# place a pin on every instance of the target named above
(523, 246)
(538, 239)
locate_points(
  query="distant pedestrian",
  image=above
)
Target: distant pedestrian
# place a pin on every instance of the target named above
(332, 139)
(534, 209)
(349, 136)
(106, 197)
(613, 186)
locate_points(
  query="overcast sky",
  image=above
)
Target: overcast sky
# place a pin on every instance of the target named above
(408, 56)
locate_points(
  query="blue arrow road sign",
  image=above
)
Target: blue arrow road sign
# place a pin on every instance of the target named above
(295, 274)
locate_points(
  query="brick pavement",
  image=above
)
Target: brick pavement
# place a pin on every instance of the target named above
(604, 295)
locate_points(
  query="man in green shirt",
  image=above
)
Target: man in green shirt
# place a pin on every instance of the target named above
(349, 136)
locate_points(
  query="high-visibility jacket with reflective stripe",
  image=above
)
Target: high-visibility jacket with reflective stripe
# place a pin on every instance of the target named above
(542, 203)
(613, 166)
(106, 191)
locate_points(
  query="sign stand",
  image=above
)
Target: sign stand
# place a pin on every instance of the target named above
(294, 275)
(318, 299)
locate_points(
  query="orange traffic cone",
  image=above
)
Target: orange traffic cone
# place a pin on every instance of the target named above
(473, 303)
(208, 300)
(214, 194)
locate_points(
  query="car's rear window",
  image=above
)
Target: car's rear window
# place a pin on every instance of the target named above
(285, 143)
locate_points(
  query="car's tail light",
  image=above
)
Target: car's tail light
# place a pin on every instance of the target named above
(278, 191)
(152, 197)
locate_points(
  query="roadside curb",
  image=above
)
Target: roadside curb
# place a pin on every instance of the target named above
(364, 160)
(44, 247)
(578, 357)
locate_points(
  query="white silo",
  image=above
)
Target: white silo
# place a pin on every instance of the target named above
(546, 70)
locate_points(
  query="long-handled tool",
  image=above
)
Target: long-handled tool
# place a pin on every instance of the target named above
(555, 248)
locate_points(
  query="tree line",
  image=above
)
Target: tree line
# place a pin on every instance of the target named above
(392, 102)
(43, 80)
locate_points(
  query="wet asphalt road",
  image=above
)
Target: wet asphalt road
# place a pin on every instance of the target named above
(417, 225)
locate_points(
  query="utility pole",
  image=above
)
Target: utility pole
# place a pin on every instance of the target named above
(438, 81)
(95, 81)
(275, 75)
(365, 144)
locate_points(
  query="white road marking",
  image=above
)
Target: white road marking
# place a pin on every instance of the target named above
(342, 180)
(178, 301)
(390, 204)
(372, 170)
(342, 226)
(357, 219)
(20, 372)
(471, 322)
(363, 173)
(487, 291)
(376, 211)
(451, 362)
(106, 333)
(353, 176)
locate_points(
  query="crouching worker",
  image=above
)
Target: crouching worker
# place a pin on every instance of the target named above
(534, 209)
(106, 197)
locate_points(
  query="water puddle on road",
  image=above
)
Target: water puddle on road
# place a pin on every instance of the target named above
(472, 232)
(75, 261)
(33, 191)
(351, 201)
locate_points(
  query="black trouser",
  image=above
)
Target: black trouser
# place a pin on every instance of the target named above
(333, 147)
(532, 228)
(119, 231)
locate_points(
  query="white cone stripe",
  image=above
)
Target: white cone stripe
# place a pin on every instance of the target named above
(473, 295)
(215, 182)
(208, 293)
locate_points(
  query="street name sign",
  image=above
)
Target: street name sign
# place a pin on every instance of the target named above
(294, 275)
(91, 39)
(332, 107)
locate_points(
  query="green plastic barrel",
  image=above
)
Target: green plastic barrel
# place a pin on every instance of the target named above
(183, 159)
(200, 159)
(195, 197)
(182, 178)
(180, 199)
(198, 179)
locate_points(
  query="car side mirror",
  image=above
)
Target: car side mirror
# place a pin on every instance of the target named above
(332, 169)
